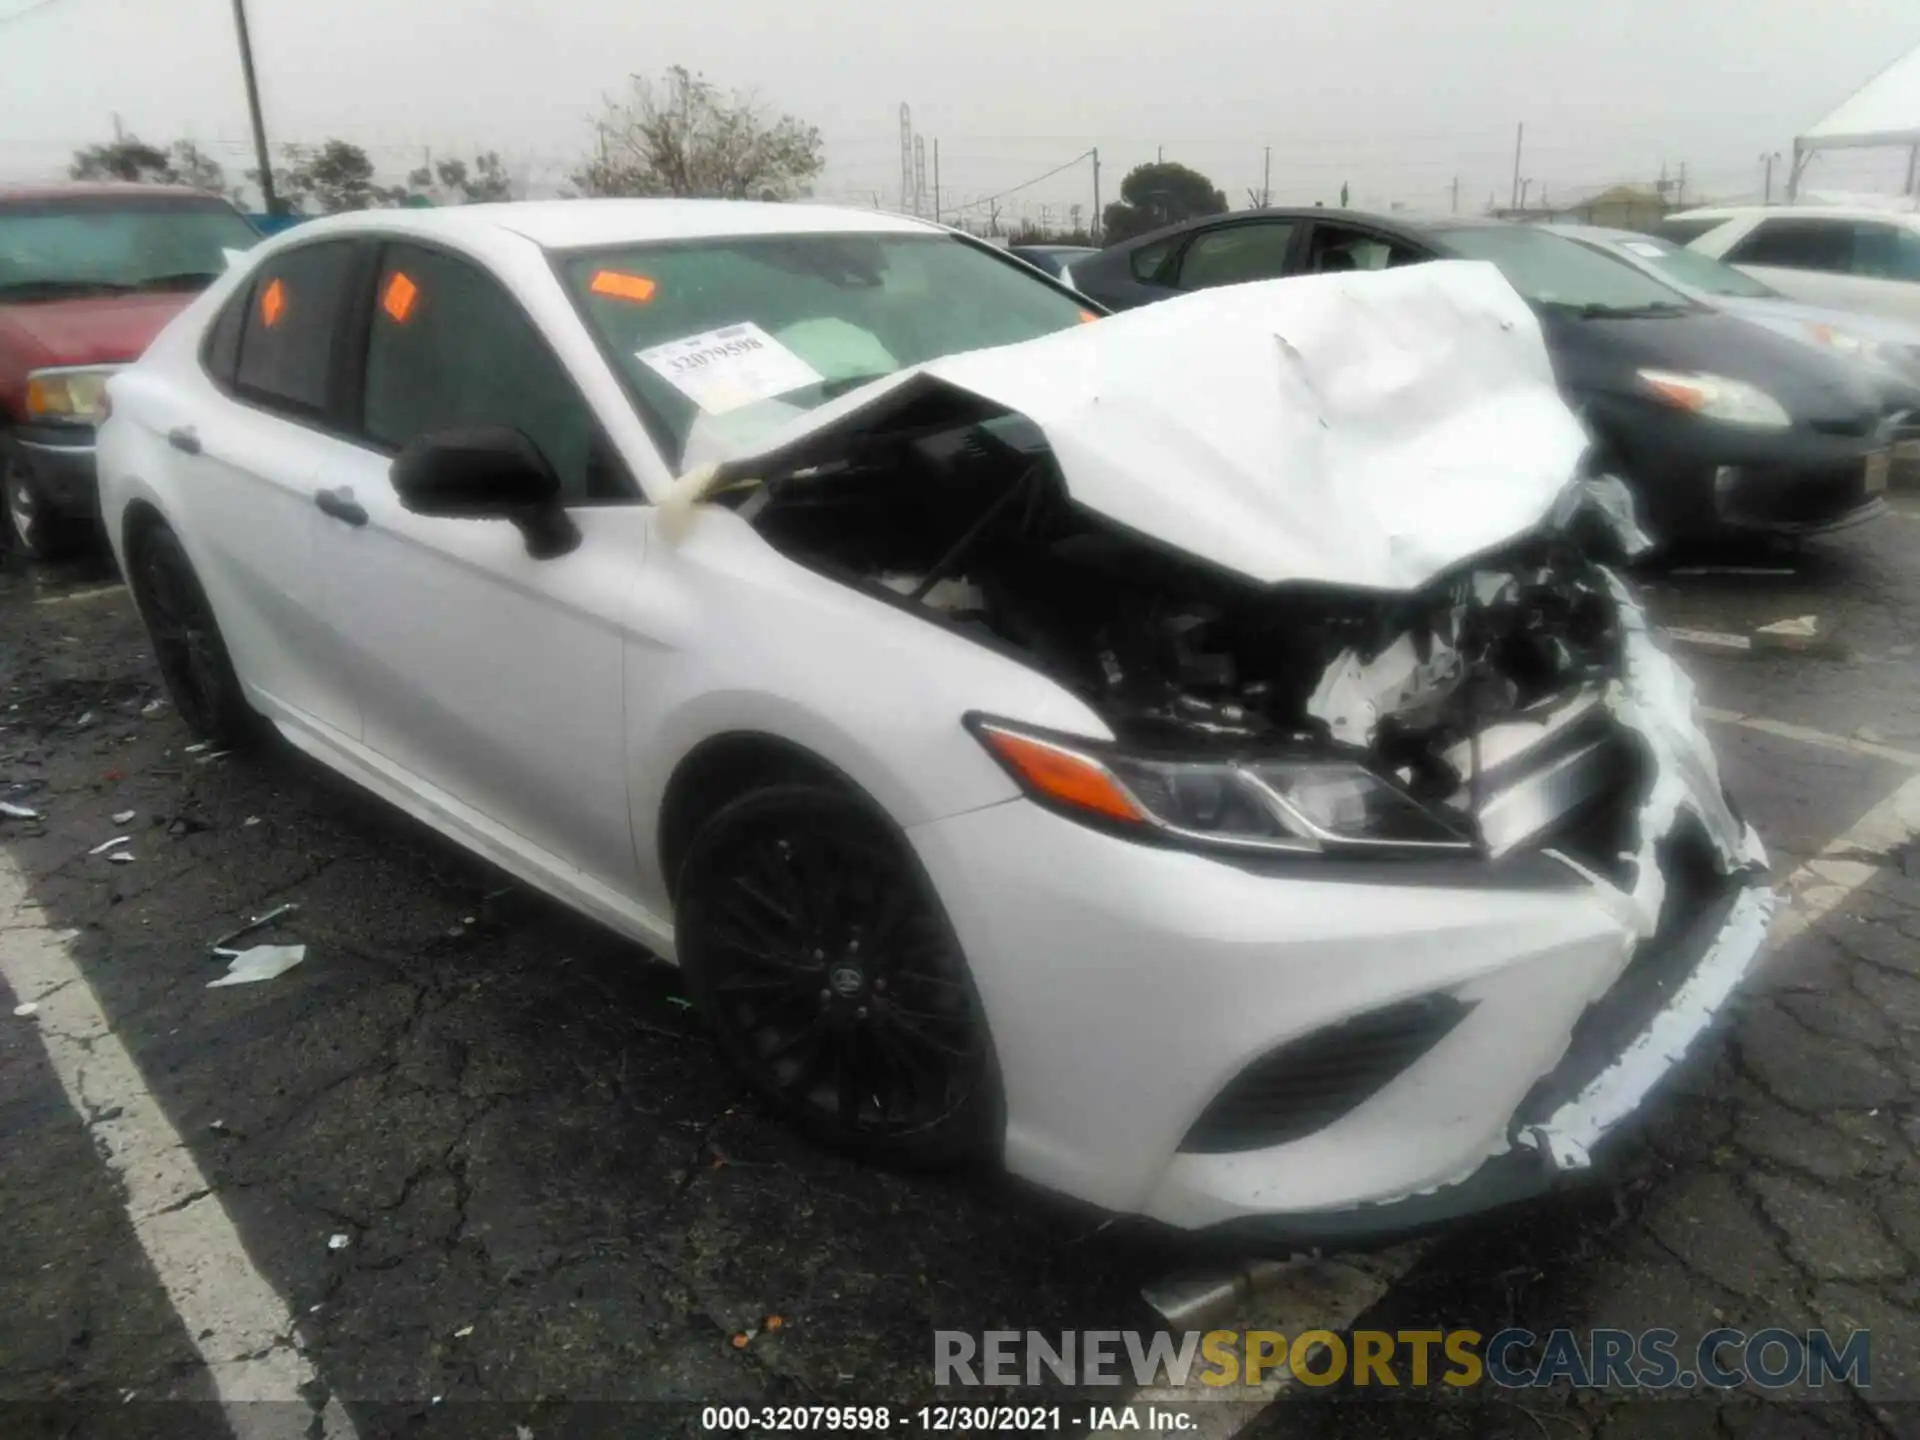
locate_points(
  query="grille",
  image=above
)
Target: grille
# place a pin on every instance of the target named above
(1309, 1083)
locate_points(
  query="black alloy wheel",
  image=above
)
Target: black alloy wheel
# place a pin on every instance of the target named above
(186, 640)
(817, 950)
(33, 527)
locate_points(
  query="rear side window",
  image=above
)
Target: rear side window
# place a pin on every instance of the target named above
(451, 348)
(1797, 245)
(1235, 254)
(293, 325)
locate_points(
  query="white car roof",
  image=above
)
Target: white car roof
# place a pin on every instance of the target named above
(568, 224)
(1818, 212)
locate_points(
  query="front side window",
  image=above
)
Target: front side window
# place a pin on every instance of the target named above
(450, 349)
(722, 341)
(1236, 254)
(109, 244)
(1550, 269)
(1797, 245)
(291, 334)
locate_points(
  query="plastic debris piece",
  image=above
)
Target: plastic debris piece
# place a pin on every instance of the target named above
(261, 962)
(18, 812)
(742, 1340)
(251, 820)
(463, 1332)
(86, 719)
(199, 747)
(1799, 632)
(122, 817)
(339, 1241)
(106, 845)
(153, 707)
(219, 1127)
(25, 1009)
(681, 1001)
(121, 857)
(209, 758)
(279, 912)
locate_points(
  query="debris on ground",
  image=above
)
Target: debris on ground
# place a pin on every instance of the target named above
(338, 1241)
(121, 857)
(106, 845)
(251, 820)
(210, 757)
(18, 812)
(1800, 632)
(153, 707)
(199, 747)
(260, 962)
(220, 947)
(122, 817)
(86, 719)
(25, 1009)
(768, 1324)
(463, 1332)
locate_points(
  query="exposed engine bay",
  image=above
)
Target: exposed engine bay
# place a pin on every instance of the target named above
(1482, 695)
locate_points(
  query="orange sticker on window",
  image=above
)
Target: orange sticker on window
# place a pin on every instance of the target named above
(273, 303)
(1087, 317)
(398, 301)
(637, 288)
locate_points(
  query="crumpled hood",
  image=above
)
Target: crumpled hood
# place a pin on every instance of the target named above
(1358, 430)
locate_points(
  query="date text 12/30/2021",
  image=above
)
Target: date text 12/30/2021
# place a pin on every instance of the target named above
(944, 1419)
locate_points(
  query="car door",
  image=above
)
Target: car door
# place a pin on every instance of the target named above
(490, 680)
(245, 448)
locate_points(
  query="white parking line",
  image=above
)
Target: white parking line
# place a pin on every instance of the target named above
(236, 1320)
(1814, 890)
(1806, 736)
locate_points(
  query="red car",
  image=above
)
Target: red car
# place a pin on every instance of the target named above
(88, 276)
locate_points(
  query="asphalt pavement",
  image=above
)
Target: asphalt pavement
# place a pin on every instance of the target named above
(472, 1167)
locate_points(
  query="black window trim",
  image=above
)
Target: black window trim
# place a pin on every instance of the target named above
(357, 381)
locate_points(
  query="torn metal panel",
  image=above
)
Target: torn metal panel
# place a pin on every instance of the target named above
(1364, 430)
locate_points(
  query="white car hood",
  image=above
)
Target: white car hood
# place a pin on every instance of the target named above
(1358, 430)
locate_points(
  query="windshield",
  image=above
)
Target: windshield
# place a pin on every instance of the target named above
(1550, 269)
(723, 341)
(91, 244)
(1696, 271)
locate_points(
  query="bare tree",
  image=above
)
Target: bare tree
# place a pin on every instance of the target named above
(688, 137)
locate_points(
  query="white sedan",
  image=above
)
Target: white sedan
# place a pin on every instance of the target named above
(1198, 757)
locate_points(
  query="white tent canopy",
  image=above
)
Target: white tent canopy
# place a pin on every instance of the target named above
(1884, 111)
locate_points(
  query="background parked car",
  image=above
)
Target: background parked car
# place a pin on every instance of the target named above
(1849, 257)
(1054, 259)
(88, 275)
(1717, 424)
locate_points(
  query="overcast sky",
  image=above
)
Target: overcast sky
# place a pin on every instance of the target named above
(1396, 97)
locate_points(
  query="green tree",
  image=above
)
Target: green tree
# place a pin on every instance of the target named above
(688, 137)
(452, 182)
(193, 166)
(1163, 193)
(128, 158)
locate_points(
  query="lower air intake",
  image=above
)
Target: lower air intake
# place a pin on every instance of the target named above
(1309, 1083)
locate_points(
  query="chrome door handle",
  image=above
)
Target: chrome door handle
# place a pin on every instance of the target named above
(341, 505)
(184, 437)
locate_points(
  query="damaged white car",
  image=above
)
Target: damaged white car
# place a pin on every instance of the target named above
(1203, 757)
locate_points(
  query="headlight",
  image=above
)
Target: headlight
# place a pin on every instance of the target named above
(1305, 805)
(68, 397)
(1717, 397)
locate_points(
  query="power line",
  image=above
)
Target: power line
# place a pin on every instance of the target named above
(974, 204)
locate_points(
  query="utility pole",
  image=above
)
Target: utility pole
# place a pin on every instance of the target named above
(1524, 184)
(119, 133)
(936, 180)
(1913, 170)
(1159, 154)
(1767, 160)
(1456, 195)
(1519, 134)
(1094, 228)
(267, 197)
(1680, 189)
(1266, 180)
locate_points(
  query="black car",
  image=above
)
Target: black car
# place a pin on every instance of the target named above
(1716, 423)
(1054, 259)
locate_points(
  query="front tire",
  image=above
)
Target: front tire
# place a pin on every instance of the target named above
(815, 946)
(187, 641)
(34, 529)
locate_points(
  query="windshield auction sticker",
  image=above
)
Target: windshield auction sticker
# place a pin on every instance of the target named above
(725, 369)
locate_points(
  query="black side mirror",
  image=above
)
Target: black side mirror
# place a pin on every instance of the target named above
(487, 472)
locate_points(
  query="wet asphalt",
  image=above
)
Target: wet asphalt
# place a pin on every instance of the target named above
(563, 1215)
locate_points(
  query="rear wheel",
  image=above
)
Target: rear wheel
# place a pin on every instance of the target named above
(186, 640)
(815, 946)
(33, 527)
